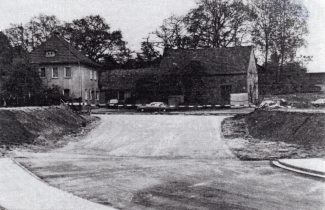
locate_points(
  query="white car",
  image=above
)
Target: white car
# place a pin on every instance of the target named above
(318, 102)
(154, 106)
(269, 104)
(113, 103)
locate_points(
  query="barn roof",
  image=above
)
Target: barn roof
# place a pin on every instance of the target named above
(228, 60)
(234, 60)
(126, 79)
(64, 53)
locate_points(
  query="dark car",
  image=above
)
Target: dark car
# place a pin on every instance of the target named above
(155, 106)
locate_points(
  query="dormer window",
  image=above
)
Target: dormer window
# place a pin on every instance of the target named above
(50, 54)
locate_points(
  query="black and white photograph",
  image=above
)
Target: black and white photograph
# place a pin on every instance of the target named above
(162, 105)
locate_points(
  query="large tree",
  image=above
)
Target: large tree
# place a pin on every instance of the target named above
(6, 52)
(218, 23)
(34, 33)
(23, 83)
(212, 24)
(279, 30)
(93, 36)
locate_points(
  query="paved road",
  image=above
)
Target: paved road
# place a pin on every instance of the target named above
(169, 162)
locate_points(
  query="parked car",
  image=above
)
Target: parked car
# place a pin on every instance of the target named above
(318, 102)
(155, 106)
(113, 103)
(270, 104)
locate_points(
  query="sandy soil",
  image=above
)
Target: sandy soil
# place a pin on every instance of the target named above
(169, 162)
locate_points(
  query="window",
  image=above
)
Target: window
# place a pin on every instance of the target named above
(42, 72)
(67, 72)
(91, 74)
(55, 72)
(95, 75)
(86, 94)
(97, 95)
(49, 54)
(90, 95)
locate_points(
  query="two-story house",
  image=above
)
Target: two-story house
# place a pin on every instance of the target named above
(63, 65)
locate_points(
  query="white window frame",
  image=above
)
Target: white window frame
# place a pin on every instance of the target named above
(40, 72)
(86, 94)
(97, 95)
(90, 95)
(65, 72)
(50, 54)
(95, 75)
(53, 72)
(91, 74)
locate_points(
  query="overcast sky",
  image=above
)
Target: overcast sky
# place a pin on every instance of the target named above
(137, 18)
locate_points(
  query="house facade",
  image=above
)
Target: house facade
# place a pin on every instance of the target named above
(60, 64)
(200, 76)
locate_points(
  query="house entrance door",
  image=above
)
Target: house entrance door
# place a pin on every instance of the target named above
(66, 93)
(225, 94)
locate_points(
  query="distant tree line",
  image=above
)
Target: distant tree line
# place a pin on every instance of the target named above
(275, 27)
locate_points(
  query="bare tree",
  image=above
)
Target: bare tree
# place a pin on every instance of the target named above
(35, 32)
(172, 33)
(279, 29)
(218, 23)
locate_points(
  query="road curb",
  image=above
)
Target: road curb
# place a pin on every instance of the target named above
(71, 201)
(28, 171)
(300, 170)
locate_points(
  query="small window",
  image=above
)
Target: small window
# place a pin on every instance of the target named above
(67, 72)
(91, 74)
(95, 75)
(90, 95)
(42, 72)
(49, 54)
(55, 72)
(86, 94)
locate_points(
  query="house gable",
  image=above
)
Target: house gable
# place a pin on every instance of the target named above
(58, 51)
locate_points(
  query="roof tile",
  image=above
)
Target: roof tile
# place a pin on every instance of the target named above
(65, 53)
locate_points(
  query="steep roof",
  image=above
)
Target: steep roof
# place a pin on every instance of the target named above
(126, 79)
(228, 60)
(64, 53)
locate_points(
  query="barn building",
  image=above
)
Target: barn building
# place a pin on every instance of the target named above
(200, 76)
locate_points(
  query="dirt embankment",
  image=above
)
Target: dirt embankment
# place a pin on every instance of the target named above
(275, 134)
(37, 126)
